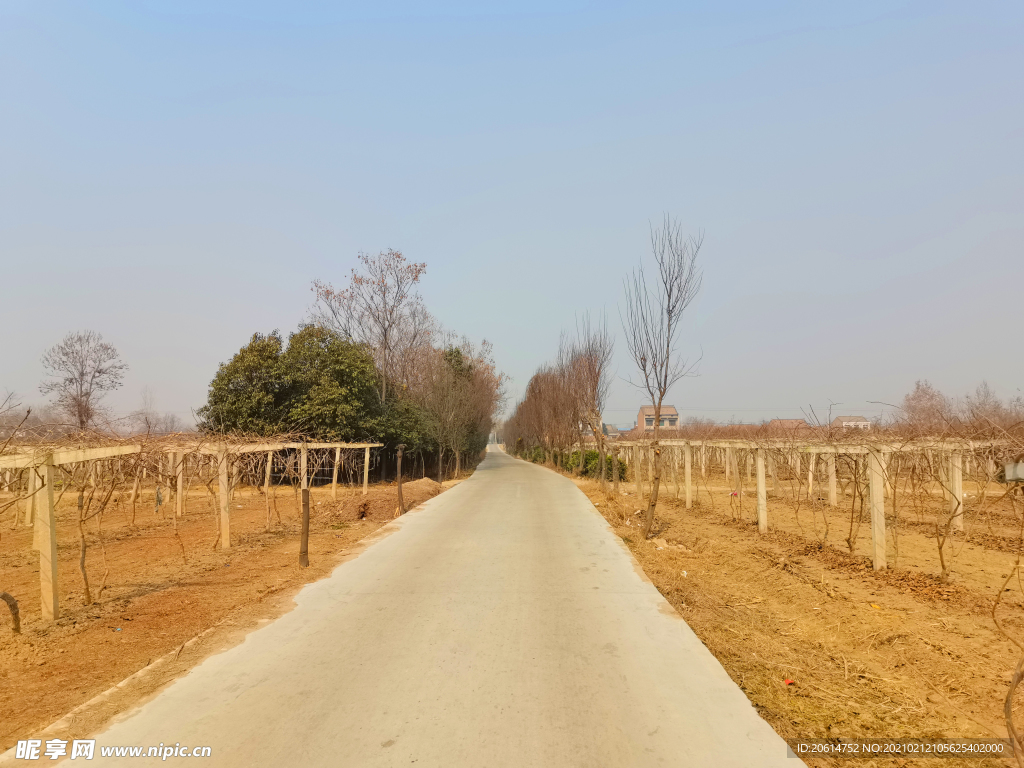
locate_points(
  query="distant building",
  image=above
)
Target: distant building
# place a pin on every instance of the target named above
(850, 422)
(669, 418)
(611, 432)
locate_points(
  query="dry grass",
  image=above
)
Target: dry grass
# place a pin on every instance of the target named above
(823, 646)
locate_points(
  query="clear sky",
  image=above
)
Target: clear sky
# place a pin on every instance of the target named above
(175, 174)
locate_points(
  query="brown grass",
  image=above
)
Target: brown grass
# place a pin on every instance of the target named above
(823, 646)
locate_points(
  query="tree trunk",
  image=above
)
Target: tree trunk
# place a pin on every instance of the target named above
(266, 484)
(12, 604)
(135, 494)
(81, 563)
(656, 474)
(458, 463)
(440, 464)
(304, 535)
(398, 461)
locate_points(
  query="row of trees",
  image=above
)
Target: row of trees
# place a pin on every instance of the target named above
(928, 411)
(371, 365)
(567, 397)
(564, 399)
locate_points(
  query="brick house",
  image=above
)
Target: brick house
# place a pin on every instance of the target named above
(645, 418)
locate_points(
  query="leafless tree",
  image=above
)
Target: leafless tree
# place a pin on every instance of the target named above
(380, 309)
(652, 318)
(148, 420)
(438, 392)
(591, 361)
(80, 370)
(459, 391)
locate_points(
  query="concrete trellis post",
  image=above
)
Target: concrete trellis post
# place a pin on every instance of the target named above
(750, 467)
(812, 462)
(737, 476)
(366, 472)
(615, 470)
(956, 497)
(638, 475)
(673, 453)
(31, 503)
(876, 505)
(334, 473)
(170, 475)
(726, 461)
(47, 527)
(833, 496)
(687, 473)
(225, 502)
(762, 494)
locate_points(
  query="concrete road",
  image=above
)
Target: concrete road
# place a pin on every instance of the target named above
(501, 624)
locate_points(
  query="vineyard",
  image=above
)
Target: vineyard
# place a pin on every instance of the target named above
(172, 477)
(843, 492)
(853, 588)
(140, 556)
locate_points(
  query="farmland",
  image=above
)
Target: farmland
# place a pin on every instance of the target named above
(822, 644)
(159, 582)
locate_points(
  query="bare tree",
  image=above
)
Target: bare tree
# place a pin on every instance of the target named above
(460, 392)
(654, 311)
(439, 391)
(927, 410)
(149, 421)
(592, 362)
(80, 371)
(381, 310)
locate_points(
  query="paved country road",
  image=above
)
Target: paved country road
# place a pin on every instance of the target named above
(501, 624)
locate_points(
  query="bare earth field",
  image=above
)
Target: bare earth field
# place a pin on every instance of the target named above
(822, 645)
(161, 592)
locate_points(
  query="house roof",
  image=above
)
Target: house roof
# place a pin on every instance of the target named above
(666, 410)
(838, 421)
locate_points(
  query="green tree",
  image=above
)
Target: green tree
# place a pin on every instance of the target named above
(250, 391)
(332, 387)
(319, 385)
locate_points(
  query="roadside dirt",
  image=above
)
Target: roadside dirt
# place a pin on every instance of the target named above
(162, 591)
(822, 645)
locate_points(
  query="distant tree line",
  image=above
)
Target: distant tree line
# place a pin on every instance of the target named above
(371, 365)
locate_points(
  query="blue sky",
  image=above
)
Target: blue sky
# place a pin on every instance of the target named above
(174, 175)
